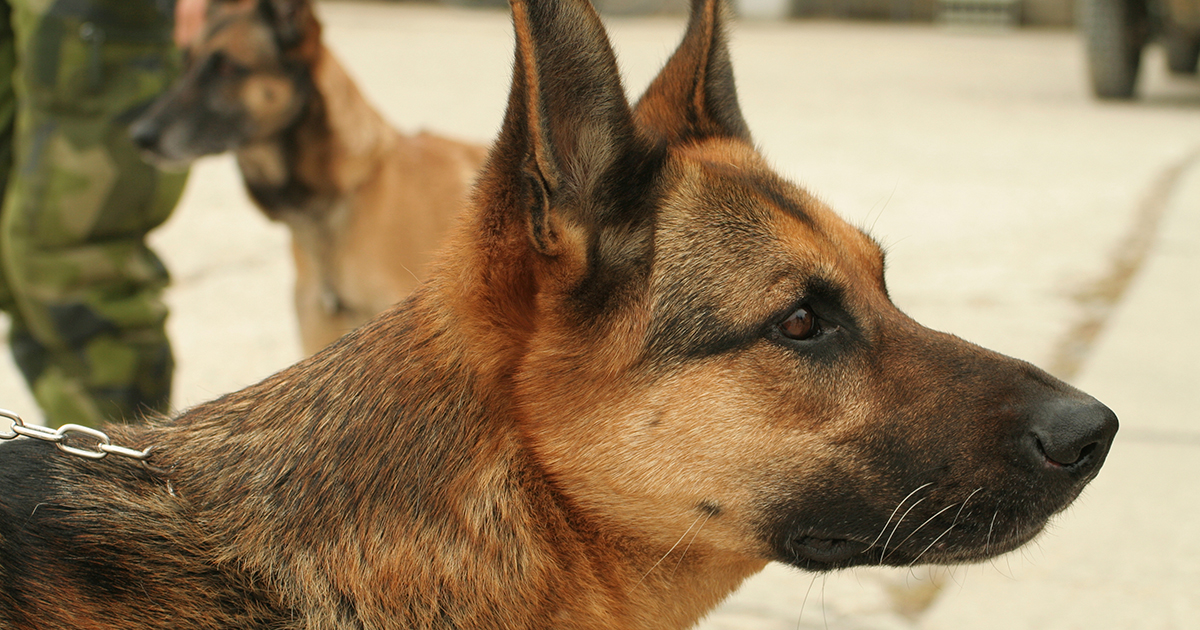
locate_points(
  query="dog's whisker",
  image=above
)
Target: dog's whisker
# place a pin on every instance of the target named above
(668, 553)
(410, 272)
(987, 542)
(943, 534)
(898, 506)
(964, 505)
(689, 545)
(883, 552)
(804, 602)
(883, 207)
(927, 521)
(930, 546)
(824, 612)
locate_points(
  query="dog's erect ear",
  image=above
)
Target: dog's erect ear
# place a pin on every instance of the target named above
(290, 20)
(694, 96)
(569, 153)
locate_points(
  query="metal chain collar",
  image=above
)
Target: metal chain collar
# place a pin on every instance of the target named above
(100, 446)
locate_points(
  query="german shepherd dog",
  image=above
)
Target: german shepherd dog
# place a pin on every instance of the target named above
(366, 205)
(648, 367)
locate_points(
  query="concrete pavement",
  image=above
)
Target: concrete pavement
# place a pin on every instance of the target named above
(1004, 193)
(1127, 554)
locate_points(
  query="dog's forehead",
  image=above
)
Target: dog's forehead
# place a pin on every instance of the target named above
(737, 246)
(734, 210)
(240, 36)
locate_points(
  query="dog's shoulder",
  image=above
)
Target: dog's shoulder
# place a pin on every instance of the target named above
(98, 539)
(28, 475)
(45, 504)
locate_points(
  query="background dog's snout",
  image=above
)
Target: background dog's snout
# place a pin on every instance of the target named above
(144, 133)
(1072, 433)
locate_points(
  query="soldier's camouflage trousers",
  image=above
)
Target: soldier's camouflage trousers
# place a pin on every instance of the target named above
(82, 289)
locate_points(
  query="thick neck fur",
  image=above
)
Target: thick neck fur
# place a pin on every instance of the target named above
(394, 462)
(411, 447)
(332, 148)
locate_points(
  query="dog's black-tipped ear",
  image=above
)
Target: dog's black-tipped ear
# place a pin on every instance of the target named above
(290, 20)
(569, 151)
(694, 97)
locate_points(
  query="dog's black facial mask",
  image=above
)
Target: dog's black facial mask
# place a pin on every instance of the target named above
(239, 88)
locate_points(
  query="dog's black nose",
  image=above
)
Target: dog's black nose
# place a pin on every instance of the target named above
(144, 133)
(1072, 434)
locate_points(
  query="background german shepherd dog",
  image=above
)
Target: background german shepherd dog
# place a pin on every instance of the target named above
(648, 367)
(367, 206)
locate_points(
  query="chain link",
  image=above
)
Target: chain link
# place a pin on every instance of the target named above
(98, 443)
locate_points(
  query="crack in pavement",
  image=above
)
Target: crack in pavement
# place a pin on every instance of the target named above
(1100, 299)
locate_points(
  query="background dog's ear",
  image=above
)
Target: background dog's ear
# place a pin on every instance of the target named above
(291, 20)
(569, 153)
(694, 96)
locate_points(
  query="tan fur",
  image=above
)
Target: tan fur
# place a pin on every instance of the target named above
(395, 197)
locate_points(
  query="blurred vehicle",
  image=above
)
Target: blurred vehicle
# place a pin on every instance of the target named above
(1116, 31)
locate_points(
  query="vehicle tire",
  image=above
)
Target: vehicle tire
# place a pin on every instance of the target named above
(1183, 51)
(1115, 33)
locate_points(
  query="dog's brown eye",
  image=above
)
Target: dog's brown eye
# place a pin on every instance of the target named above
(223, 66)
(228, 68)
(800, 325)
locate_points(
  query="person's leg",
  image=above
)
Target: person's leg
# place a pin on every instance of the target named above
(90, 334)
(8, 111)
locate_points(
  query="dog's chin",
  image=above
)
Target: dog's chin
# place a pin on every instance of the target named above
(829, 553)
(169, 163)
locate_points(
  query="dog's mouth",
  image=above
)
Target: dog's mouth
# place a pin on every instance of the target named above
(963, 542)
(825, 553)
(167, 163)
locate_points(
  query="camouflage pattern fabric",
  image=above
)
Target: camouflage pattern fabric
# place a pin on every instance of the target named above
(83, 290)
